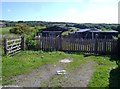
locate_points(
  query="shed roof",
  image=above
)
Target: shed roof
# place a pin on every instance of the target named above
(109, 31)
(97, 30)
(83, 30)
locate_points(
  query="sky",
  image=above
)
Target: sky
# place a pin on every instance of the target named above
(76, 11)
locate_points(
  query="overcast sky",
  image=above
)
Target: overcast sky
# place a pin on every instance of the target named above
(78, 11)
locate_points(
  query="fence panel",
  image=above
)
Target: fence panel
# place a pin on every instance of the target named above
(70, 44)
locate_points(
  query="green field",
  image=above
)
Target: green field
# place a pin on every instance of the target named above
(5, 30)
(26, 61)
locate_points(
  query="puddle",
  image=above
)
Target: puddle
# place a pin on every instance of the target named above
(65, 61)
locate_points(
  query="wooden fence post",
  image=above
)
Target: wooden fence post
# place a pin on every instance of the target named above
(60, 40)
(23, 45)
(118, 47)
(5, 46)
(104, 46)
(96, 46)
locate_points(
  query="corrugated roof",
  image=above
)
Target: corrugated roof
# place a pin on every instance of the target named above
(110, 31)
(83, 30)
(97, 30)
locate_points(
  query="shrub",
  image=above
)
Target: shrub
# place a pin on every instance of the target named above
(30, 40)
(21, 29)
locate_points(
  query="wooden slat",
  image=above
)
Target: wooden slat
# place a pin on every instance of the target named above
(75, 44)
(14, 40)
(13, 44)
(14, 47)
(14, 50)
(11, 54)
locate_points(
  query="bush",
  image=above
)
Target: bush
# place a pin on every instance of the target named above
(31, 42)
(21, 29)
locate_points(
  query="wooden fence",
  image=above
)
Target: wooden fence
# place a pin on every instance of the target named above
(13, 46)
(97, 46)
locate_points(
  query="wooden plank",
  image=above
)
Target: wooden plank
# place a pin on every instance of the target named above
(14, 40)
(13, 50)
(75, 44)
(13, 44)
(23, 44)
(96, 46)
(5, 46)
(11, 54)
(17, 46)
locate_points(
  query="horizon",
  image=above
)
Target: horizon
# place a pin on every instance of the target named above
(58, 22)
(89, 11)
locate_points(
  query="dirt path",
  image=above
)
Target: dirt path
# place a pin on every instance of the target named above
(37, 76)
(76, 78)
(46, 76)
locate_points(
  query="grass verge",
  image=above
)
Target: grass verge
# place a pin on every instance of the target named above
(101, 77)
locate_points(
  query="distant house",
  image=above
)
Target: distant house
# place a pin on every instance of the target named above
(54, 31)
(94, 33)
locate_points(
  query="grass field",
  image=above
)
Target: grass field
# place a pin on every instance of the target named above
(26, 61)
(6, 33)
(5, 30)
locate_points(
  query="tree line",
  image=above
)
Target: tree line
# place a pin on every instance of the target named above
(81, 26)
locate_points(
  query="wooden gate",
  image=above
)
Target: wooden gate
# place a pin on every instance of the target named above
(13, 46)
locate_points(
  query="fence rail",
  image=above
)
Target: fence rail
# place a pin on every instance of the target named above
(98, 46)
(13, 46)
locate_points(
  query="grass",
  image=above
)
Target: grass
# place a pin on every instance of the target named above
(26, 61)
(5, 30)
(101, 77)
(0, 71)
(58, 80)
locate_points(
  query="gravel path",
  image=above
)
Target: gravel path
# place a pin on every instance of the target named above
(76, 78)
(37, 76)
(46, 76)
(81, 76)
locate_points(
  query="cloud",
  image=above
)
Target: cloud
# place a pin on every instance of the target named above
(98, 15)
(101, 15)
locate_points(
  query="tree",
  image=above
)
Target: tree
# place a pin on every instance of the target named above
(21, 29)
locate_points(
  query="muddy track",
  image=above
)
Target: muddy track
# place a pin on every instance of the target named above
(46, 75)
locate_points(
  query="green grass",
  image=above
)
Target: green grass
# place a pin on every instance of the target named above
(5, 30)
(0, 71)
(100, 77)
(26, 61)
